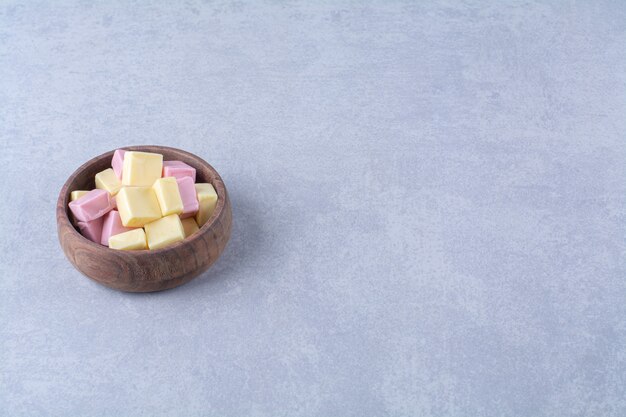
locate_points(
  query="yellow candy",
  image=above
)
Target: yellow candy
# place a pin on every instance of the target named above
(166, 190)
(190, 226)
(164, 232)
(207, 197)
(141, 168)
(137, 206)
(75, 195)
(131, 240)
(107, 180)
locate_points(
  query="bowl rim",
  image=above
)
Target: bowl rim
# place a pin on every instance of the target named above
(220, 189)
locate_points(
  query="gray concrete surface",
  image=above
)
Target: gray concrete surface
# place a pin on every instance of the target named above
(429, 204)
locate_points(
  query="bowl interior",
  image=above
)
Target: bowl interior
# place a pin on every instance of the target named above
(84, 178)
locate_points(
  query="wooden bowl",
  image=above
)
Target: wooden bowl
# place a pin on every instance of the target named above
(145, 270)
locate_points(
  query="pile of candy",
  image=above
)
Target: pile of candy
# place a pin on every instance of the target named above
(143, 202)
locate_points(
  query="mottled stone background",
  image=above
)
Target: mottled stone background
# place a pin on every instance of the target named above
(429, 203)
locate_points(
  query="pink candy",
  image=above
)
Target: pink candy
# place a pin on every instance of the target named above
(92, 230)
(178, 169)
(117, 163)
(112, 226)
(187, 191)
(96, 203)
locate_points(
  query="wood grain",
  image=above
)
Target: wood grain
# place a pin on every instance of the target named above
(145, 271)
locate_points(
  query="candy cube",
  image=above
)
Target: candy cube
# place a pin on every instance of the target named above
(189, 226)
(111, 226)
(92, 229)
(207, 197)
(132, 240)
(107, 180)
(141, 168)
(75, 195)
(188, 195)
(178, 169)
(137, 205)
(164, 232)
(117, 163)
(166, 190)
(94, 204)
